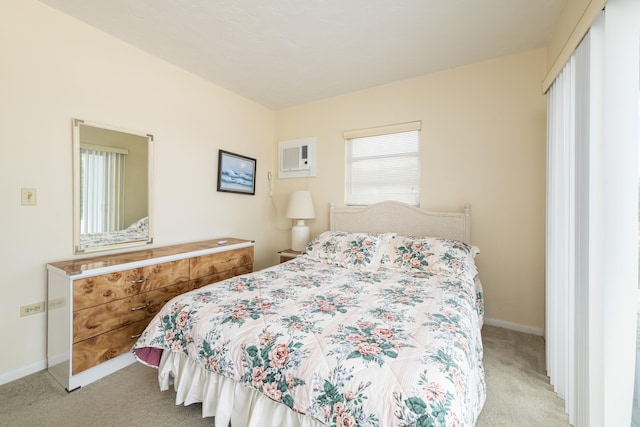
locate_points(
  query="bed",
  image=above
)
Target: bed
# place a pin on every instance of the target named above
(376, 324)
(138, 231)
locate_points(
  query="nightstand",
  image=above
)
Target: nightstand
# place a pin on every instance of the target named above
(288, 255)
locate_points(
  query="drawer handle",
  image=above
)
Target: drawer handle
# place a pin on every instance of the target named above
(139, 281)
(133, 337)
(225, 261)
(142, 307)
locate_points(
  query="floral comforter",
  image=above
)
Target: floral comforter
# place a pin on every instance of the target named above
(348, 347)
(137, 231)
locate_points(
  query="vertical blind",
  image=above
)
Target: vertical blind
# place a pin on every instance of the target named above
(592, 205)
(560, 280)
(568, 218)
(383, 163)
(102, 179)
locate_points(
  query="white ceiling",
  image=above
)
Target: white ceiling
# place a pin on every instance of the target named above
(281, 53)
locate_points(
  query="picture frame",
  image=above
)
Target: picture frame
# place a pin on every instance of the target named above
(236, 173)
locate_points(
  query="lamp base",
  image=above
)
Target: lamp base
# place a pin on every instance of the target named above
(299, 236)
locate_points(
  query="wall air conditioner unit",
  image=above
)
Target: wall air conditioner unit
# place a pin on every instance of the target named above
(297, 158)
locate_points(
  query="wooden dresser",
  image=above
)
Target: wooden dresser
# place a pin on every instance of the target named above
(99, 306)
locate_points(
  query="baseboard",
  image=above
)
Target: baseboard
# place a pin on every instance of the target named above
(514, 326)
(23, 372)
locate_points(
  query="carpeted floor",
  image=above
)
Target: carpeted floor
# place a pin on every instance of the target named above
(519, 394)
(518, 390)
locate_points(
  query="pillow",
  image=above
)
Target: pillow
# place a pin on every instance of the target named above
(325, 247)
(351, 250)
(429, 254)
(143, 224)
(140, 225)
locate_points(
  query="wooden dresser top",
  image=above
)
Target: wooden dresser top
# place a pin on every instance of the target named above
(77, 266)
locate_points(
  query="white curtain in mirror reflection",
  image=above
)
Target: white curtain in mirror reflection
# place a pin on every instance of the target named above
(102, 171)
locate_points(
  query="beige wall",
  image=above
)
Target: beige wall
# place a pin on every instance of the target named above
(55, 68)
(483, 142)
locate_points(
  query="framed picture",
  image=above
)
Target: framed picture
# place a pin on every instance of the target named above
(236, 173)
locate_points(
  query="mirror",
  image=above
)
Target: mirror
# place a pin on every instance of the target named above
(112, 187)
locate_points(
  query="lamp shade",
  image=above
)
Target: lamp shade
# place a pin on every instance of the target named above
(300, 208)
(300, 205)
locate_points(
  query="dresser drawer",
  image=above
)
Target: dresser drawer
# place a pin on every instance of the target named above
(102, 318)
(99, 349)
(207, 265)
(213, 278)
(109, 287)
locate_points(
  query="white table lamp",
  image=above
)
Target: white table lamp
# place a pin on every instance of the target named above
(300, 208)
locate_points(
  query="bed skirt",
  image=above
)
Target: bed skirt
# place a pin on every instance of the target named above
(222, 398)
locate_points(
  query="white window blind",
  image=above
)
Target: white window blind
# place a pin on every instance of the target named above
(102, 172)
(383, 163)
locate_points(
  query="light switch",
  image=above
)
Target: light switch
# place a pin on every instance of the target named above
(29, 197)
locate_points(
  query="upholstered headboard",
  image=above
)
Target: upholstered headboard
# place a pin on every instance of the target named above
(403, 219)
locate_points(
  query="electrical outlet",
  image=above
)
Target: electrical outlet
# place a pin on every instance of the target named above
(56, 303)
(28, 310)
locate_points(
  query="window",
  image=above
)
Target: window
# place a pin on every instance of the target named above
(383, 164)
(102, 170)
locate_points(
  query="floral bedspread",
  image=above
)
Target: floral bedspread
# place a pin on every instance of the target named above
(137, 231)
(347, 347)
